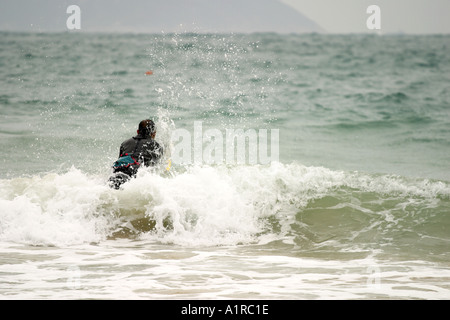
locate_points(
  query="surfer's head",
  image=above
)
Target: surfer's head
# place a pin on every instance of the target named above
(147, 127)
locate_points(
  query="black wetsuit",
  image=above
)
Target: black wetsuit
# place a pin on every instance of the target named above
(144, 150)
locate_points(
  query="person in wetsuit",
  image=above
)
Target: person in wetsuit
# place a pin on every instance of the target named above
(141, 149)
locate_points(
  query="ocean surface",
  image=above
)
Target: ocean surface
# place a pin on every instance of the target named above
(355, 206)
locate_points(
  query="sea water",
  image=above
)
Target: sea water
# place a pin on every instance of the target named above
(355, 206)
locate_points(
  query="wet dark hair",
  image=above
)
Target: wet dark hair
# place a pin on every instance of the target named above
(146, 127)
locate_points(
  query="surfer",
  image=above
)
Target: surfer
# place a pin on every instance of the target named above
(141, 149)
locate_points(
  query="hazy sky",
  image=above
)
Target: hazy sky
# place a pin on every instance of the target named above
(334, 16)
(409, 16)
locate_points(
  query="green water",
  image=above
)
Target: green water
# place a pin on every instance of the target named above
(370, 103)
(363, 170)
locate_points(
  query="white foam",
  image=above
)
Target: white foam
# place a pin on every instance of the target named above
(53, 209)
(223, 205)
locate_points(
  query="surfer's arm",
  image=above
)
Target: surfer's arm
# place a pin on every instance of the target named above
(153, 155)
(121, 150)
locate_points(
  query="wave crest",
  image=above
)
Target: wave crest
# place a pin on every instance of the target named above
(222, 205)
